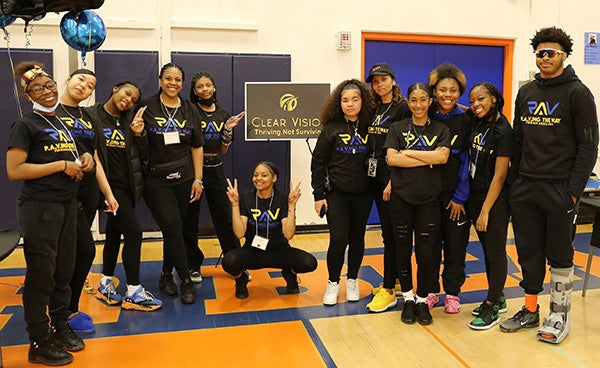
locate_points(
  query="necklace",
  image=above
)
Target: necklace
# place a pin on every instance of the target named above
(350, 132)
(74, 151)
(73, 117)
(115, 119)
(170, 116)
(208, 113)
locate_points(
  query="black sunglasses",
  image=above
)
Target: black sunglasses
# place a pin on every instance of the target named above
(547, 52)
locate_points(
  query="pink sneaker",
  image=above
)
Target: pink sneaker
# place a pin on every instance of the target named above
(432, 299)
(452, 304)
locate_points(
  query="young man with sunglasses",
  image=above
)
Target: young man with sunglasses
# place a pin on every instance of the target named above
(556, 130)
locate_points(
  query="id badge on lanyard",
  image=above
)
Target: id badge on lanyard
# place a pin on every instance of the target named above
(260, 242)
(171, 138)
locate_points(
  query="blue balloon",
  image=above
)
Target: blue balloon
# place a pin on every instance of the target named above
(84, 31)
(5, 20)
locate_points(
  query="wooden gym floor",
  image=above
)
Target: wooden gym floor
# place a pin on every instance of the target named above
(271, 329)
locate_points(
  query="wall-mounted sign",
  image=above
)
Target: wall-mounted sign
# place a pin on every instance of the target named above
(283, 111)
(591, 51)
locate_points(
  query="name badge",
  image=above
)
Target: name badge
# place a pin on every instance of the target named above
(372, 167)
(171, 137)
(472, 169)
(260, 242)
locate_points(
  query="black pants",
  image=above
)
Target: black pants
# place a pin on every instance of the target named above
(543, 214)
(493, 241)
(424, 221)
(125, 223)
(49, 237)
(215, 191)
(387, 233)
(169, 205)
(89, 196)
(347, 216)
(453, 244)
(248, 257)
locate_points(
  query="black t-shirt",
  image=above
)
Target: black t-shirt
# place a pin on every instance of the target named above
(213, 124)
(44, 144)
(82, 128)
(423, 184)
(264, 216)
(113, 137)
(185, 120)
(488, 141)
(384, 116)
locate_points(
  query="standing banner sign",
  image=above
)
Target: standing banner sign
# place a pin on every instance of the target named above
(284, 111)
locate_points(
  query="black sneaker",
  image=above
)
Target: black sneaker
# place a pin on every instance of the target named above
(408, 312)
(423, 315)
(488, 316)
(292, 281)
(522, 319)
(48, 352)
(188, 292)
(65, 337)
(167, 284)
(241, 290)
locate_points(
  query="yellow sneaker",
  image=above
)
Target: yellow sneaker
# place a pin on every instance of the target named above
(397, 289)
(382, 301)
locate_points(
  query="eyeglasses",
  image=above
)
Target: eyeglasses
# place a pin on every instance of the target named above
(547, 52)
(38, 89)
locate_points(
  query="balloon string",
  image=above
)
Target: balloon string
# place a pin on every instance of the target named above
(12, 68)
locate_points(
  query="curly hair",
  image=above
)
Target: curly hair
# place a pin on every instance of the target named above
(24, 66)
(332, 108)
(447, 70)
(396, 95)
(553, 34)
(493, 91)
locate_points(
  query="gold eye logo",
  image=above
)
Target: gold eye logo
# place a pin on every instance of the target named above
(288, 102)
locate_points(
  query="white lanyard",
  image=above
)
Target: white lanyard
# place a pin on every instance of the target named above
(75, 153)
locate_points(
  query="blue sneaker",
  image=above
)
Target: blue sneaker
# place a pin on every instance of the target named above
(141, 300)
(108, 293)
(81, 323)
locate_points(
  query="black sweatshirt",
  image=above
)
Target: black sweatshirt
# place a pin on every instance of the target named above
(556, 131)
(344, 154)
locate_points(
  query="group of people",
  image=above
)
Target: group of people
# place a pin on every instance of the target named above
(74, 161)
(433, 167)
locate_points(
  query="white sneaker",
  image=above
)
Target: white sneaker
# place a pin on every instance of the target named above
(352, 290)
(331, 293)
(196, 276)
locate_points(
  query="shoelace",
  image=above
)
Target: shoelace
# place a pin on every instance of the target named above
(147, 295)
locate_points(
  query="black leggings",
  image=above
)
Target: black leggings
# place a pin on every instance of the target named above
(493, 241)
(248, 257)
(424, 222)
(169, 205)
(387, 232)
(454, 238)
(347, 216)
(124, 223)
(220, 212)
(88, 195)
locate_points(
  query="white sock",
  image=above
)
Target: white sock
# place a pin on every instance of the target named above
(132, 288)
(408, 295)
(105, 279)
(421, 299)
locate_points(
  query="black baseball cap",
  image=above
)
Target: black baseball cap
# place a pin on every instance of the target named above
(380, 69)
